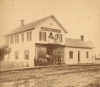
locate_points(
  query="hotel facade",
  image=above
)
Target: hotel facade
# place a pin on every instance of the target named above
(32, 43)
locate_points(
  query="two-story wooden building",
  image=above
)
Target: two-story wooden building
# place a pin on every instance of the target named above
(34, 43)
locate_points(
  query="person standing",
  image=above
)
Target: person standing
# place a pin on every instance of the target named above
(47, 57)
(59, 60)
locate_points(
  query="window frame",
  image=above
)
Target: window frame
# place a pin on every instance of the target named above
(60, 38)
(26, 54)
(16, 55)
(70, 54)
(17, 38)
(22, 37)
(29, 36)
(11, 39)
(7, 40)
(42, 36)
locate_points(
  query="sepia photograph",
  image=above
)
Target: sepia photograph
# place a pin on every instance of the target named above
(49, 43)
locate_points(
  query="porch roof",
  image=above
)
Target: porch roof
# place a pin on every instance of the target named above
(50, 45)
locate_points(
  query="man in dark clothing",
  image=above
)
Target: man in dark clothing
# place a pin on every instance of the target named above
(59, 60)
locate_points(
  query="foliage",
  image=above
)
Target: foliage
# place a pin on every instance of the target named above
(4, 50)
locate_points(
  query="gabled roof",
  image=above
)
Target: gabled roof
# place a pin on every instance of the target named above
(32, 25)
(77, 43)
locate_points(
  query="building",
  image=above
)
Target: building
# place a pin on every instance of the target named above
(79, 51)
(43, 42)
(97, 58)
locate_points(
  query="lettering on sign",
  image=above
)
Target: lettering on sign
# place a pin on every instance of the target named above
(51, 30)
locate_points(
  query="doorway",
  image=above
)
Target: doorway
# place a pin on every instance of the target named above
(55, 55)
(51, 53)
(78, 56)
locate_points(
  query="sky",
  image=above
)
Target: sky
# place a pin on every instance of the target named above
(79, 17)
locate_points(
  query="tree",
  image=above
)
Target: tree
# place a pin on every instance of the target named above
(5, 49)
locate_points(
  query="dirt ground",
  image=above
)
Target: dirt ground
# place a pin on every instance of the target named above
(59, 76)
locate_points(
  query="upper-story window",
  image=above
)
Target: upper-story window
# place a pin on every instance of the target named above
(11, 40)
(59, 36)
(29, 36)
(22, 37)
(42, 36)
(16, 38)
(7, 41)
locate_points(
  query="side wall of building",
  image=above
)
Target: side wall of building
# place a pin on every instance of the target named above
(20, 47)
(83, 58)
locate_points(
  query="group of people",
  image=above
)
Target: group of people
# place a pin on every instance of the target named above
(48, 60)
(57, 60)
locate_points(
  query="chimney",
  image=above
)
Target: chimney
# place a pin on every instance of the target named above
(82, 37)
(22, 22)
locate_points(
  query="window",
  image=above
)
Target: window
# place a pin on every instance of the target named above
(22, 37)
(16, 38)
(59, 36)
(7, 41)
(11, 40)
(42, 36)
(26, 52)
(16, 54)
(87, 55)
(70, 54)
(41, 52)
(29, 36)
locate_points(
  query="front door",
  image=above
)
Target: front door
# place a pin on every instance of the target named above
(78, 56)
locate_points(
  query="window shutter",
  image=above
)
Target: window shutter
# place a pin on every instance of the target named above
(22, 37)
(30, 36)
(15, 39)
(61, 37)
(40, 35)
(25, 54)
(28, 54)
(12, 40)
(45, 36)
(18, 38)
(27, 36)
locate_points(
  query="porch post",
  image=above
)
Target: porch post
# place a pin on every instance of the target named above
(54, 57)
